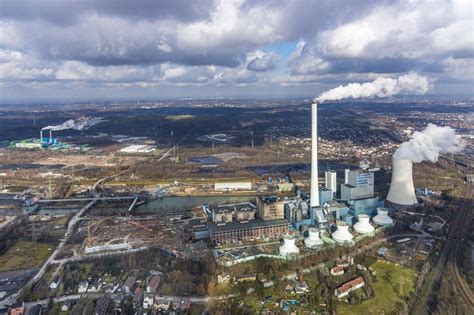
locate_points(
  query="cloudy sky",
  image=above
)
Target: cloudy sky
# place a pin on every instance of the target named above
(221, 48)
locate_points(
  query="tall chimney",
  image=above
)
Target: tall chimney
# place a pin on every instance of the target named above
(346, 176)
(314, 202)
(402, 190)
(41, 136)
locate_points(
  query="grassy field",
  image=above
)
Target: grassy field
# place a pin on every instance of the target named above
(394, 282)
(25, 255)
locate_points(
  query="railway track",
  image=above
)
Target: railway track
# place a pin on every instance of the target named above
(461, 225)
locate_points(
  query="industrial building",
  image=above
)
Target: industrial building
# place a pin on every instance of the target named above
(138, 148)
(360, 185)
(289, 248)
(241, 212)
(270, 208)
(342, 234)
(228, 186)
(313, 240)
(330, 181)
(256, 229)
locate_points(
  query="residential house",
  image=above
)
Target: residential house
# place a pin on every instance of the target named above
(337, 271)
(348, 287)
(83, 287)
(153, 283)
(129, 284)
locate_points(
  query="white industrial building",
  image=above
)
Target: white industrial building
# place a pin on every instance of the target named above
(402, 190)
(313, 240)
(289, 248)
(226, 186)
(138, 148)
(363, 226)
(360, 184)
(382, 217)
(342, 234)
(331, 181)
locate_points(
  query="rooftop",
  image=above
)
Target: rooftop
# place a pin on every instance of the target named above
(257, 223)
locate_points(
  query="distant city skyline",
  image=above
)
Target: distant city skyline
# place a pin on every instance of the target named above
(122, 49)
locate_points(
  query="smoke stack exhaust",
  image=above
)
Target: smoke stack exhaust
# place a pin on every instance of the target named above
(314, 156)
(402, 190)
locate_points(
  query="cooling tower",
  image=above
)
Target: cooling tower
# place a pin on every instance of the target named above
(314, 156)
(402, 191)
(382, 217)
(289, 247)
(313, 240)
(342, 234)
(363, 226)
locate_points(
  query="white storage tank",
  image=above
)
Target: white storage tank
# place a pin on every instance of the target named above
(363, 226)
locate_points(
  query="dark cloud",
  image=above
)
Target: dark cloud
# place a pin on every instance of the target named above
(64, 12)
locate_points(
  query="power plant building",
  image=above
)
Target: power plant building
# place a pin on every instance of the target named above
(330, 182)
(270, 208)
(360, 185)
(256, 229)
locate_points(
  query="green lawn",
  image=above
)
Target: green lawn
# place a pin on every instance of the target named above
(25, 255)
(394, 281)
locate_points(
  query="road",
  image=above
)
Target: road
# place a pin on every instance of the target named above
(193, 299)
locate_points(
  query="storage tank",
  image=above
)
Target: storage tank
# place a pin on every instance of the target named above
(382, 217)
(289, 247)
(313, 240)
(402, 190)
(363, 226)
(342, 234)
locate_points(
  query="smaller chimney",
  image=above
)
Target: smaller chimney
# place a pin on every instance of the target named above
(346, 176)
(50, 135)
(41, 136)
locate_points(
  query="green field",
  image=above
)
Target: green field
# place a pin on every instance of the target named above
(25, 255)
(394, 282)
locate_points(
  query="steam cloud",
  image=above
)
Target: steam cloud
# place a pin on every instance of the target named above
(81, 124)
(427, 145)
(411, 83)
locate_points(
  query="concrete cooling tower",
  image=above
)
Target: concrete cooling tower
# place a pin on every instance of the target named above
(289, 247)
(382, 217)
(402, 190)
(363, 226)
(342, 234)
(313, 240)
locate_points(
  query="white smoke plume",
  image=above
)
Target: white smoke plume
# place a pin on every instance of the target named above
(427, 145)
(82, 124)
(411, 83)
